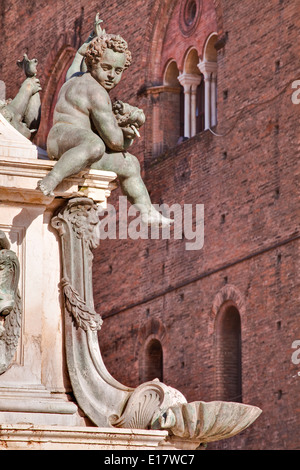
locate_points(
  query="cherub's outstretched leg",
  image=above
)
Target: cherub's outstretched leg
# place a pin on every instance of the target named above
(128, 170)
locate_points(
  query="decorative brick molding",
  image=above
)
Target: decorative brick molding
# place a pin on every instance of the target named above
(228, 293)
(152, 330)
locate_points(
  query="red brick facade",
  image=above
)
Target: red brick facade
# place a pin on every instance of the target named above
(247, 177)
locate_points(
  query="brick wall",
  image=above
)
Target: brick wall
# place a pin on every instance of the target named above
(247, 181)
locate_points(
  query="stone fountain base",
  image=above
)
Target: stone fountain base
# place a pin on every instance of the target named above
(55, 391)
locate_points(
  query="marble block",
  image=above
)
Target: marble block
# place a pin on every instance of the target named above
(35, 389)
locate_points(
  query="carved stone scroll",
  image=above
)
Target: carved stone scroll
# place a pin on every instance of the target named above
(10, 303)
(96, 391)
(104, 400)
(147, 404)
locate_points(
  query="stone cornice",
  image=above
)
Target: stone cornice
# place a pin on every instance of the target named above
(19, 178)
(156, 90)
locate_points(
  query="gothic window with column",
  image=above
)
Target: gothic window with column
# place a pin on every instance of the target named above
(190, 96)
(208, 68)
(191, 79)
(182, 82)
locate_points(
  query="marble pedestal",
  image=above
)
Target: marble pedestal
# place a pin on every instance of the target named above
(35, 389)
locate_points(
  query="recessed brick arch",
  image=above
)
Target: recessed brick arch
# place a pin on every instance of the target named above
(152, 333)
(159, 18)
(228, 293)
(153, 328)
(228, 310)
(228, 353)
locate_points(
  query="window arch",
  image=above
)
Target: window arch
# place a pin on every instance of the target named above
(171, 74)
(228, 353)
(171, 102)
(191, 79)
(151, 366)
(208, 67)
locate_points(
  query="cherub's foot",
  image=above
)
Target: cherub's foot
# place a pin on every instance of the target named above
(154, 218)
(46, 190)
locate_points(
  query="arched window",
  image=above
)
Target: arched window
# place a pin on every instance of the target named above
(208, 67)
(228, 354)
(191, 79)
(152, 361)
(171, 75)
(171, 106)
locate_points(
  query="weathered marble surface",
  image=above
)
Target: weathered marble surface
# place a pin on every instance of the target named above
(10, 303)
(35, 388)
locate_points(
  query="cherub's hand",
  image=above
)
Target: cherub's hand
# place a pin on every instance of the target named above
(97, 31)
(137, 117)
(97, 25)
(128, 115)
(128, 132)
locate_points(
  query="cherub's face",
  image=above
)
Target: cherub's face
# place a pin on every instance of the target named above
(109, 70)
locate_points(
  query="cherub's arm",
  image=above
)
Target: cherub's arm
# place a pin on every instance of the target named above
(129, 118)
(107, 127)
(78, 64)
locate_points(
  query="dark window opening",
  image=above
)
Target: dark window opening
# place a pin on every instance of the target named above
(153, 362)
(200, 107)
(181, 117)
(229, 355)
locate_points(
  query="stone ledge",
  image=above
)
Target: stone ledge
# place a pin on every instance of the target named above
(29, 437)
(19, 178)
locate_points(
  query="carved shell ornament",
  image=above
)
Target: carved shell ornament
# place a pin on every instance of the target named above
(208, 421)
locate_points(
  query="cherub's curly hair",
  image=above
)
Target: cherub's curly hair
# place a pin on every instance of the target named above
(98, 45)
